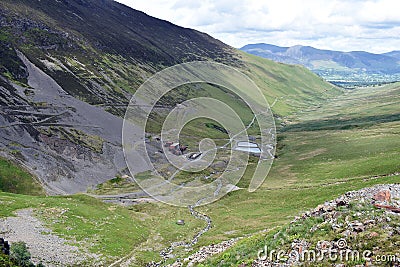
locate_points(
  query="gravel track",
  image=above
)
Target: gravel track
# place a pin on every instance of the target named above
(43, 245)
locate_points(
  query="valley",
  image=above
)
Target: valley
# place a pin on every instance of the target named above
(65, 87)
(345, 69)
(344, 144)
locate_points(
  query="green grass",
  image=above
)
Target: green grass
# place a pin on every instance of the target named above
(347, 139)
(281, 237)
(16, 180)
(117, 185)
(331, 135)
(110, 230)
(293, 87)
(340, 140)
(196, 90)
(264, 209)
(314, 164)
(84, 219)
(317, 163)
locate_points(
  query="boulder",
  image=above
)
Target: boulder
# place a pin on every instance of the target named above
(390, 208)
(382, 196)
(358, 227)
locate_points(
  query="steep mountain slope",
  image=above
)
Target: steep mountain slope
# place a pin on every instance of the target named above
(333, 65)
(90, 37)
(68, 69)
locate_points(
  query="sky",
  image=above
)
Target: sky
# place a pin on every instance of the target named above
(357, 25)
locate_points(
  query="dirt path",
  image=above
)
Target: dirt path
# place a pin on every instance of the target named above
(43, 245)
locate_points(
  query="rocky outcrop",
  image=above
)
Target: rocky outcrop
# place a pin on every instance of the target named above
(350, 219)
(364, 221)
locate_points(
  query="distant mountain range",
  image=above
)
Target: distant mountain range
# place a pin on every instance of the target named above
(335, 66)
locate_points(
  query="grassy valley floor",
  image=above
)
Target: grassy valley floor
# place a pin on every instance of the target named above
(346, 144)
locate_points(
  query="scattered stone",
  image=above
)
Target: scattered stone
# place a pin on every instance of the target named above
(350, 228)
(207, 251)
(341, 203)
(319, 208)
(369, 222)
(330, 213)
(391, 208)
(358, 228)
(382, 196)
(373, 234)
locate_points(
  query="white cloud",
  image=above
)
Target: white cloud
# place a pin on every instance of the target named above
(372, 25)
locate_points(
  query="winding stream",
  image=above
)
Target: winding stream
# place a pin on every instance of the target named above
(167, 253)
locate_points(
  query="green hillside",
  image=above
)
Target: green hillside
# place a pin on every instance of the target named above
(82, 56)
(45, 44)
(349, 143)
(16, 180)
(288, 88)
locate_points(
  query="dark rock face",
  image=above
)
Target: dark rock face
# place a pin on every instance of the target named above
(4, 247)
(114, 28)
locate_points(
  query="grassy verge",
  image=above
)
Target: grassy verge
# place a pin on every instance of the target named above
(110, 230)
(14, 179)
(318, 228)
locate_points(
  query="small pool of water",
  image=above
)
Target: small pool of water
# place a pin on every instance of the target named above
(248, 149)
(246, 144)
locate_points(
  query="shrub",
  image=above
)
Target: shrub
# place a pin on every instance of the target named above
(5, 261)
(20, 254)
